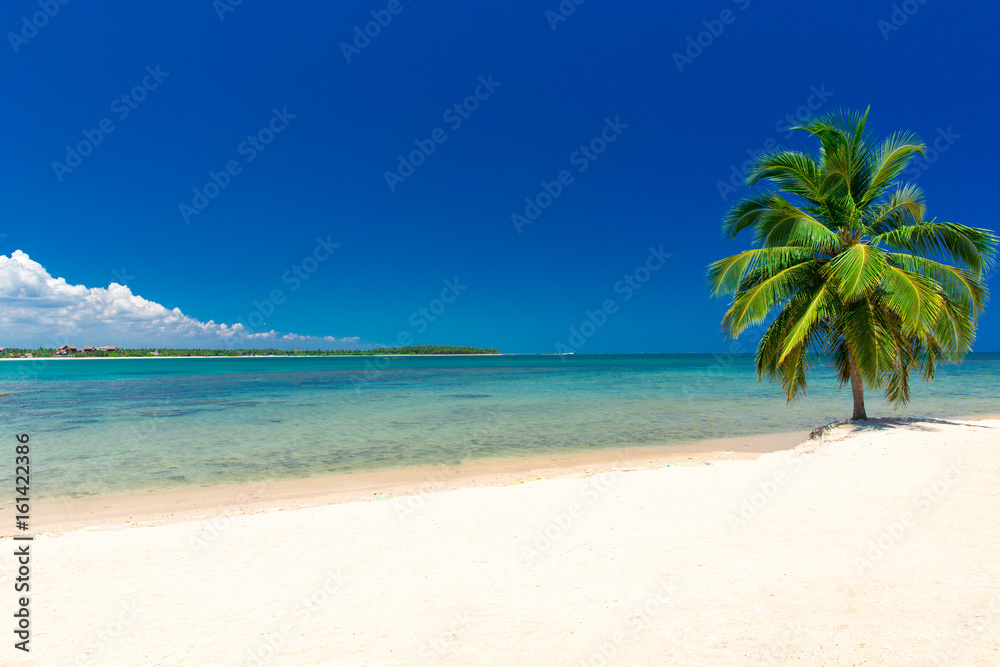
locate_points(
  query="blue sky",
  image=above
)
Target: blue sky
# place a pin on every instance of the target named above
(267, 92)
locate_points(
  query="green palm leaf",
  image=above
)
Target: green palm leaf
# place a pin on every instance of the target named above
(892, 157)
(857, 270)
(791, 171)
(975, 248)
(915, 298)
(726, 274)
(807, 321)
(958, 284)
(759, 293)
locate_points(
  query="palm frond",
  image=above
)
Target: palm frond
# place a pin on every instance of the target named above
(958, 284)
(786, 224)
(746, 214)
(955, 329)
(725, 275)
(790, 171)
(915, 298)
(973, 247)
(759, 294)
(904, 207)
(890, 160)
(857, 271)
(807, 321)
(869, 341)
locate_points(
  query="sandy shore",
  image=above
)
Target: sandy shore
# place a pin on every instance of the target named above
(158, 507)
(876, 545)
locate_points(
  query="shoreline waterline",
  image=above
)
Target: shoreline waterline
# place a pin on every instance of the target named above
(62, 514)
(224, 501)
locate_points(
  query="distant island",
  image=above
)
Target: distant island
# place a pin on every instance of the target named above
(111, 351)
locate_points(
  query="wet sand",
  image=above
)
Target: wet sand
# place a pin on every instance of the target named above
(156, 507)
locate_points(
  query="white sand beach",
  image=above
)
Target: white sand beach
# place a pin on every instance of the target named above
(875, 545)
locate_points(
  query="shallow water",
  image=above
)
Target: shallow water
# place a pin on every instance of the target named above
(102, 426)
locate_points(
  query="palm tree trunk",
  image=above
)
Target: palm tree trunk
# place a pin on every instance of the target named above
(858, 389)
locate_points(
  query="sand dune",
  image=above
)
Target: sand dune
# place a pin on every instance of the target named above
(876, 545)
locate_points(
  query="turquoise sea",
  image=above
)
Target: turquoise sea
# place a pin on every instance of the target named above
(106, 426)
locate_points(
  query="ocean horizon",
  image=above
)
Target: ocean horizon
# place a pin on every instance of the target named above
(156, 424)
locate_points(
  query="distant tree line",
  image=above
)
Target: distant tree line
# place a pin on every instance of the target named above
(43, 352)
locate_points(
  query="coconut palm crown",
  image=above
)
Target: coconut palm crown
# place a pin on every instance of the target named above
(845, 266)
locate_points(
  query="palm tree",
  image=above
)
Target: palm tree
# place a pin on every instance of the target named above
(848, 267)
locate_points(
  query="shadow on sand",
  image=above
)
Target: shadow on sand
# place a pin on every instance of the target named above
(889, 423)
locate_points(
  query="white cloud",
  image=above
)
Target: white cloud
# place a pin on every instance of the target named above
(39, 310)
